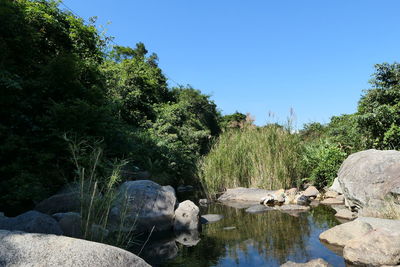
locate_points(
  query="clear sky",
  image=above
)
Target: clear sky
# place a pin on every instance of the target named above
(261, 56)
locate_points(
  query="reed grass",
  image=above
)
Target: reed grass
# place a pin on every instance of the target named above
(98, 194)
(267, 157)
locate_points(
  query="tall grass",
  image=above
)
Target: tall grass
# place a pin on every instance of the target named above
(269, 157)
(97, 191)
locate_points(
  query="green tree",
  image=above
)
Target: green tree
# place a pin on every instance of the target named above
(379, 108)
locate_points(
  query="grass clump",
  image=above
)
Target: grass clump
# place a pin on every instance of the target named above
(266, 157)
(96, 182)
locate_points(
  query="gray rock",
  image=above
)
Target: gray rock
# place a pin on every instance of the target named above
(186, 216)
(312, 263)
(245, 194)
(70, 223)
(369, 175)
(25, 249)
(210, 218)
(311, 191)
(31, 222)
(258, 209)
(268, 200)
(341, 234)
(377, 247)
(302, 200)
(346, 214)
(239, 204)
(60, 203)
(293, 207)
(336, 186)
(98, 232)
(376, 223)
(204, 202)
(188, 239)
(147, 205)
(339, 200)
(331, 194)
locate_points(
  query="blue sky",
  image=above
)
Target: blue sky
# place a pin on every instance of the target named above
(261, 56)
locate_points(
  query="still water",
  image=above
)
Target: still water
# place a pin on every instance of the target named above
(243, 239)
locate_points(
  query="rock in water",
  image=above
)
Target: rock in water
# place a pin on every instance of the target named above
(245, 194)
(376, 248)
(302, 200)
(24, 249)
(186, 216)
(146, 203)
(369, 175)
(210, 218)
(31, 222)
(341, 234)
(258, 209)
(312, 263)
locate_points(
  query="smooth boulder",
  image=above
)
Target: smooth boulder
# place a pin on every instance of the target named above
(311, 191)
(31, 222)
(245, 194)
(377, 247)
(369, 175)
(186, 216)
(312, 263)
(341, 234)
(26, 249)
(60, 203)
(143, 204)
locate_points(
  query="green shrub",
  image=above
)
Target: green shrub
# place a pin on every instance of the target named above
(267, 157)
(321, 162)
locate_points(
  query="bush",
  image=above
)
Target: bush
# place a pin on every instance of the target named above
(267, 157)
(321, 161)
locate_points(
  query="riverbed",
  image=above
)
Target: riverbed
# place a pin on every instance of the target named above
(244, 239)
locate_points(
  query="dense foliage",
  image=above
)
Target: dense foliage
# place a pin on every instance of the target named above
(58, 77)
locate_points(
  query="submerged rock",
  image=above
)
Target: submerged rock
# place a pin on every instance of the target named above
(186, 216)
(31, 222)
(312, 263)
(258, 209)
(210, 218)
(188, 238)
(26, 249)
(145, 204)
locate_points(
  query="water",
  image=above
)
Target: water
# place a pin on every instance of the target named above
(242, 239)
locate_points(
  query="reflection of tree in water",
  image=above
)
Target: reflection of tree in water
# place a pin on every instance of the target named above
(275, 236)
(323, 216)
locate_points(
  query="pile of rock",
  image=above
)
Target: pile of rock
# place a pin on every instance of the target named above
(366, 241)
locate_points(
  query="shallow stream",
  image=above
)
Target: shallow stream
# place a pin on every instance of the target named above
(243, 239)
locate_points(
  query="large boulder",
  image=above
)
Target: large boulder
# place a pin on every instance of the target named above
(25, 249)
(245, 194)
(369, 175)
(186, 216)
(311, 191)
(31, 222)
(341, 234)
(312, 263)
(336, 186)
(376, 248)
(70, 223)
(60, 203)
(142, 205)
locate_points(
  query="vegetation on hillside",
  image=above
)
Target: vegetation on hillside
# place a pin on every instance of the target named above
(59, 77)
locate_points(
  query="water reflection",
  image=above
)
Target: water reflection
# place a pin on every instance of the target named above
(265, 239)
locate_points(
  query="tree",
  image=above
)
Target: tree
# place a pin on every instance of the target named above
(379, 108)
